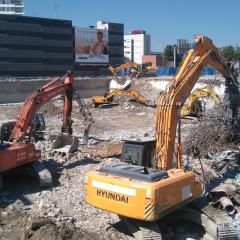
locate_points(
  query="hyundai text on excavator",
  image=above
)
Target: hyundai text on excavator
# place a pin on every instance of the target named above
(147, 194)
(19, 150)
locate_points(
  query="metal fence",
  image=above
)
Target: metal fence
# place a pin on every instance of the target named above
(171, 71)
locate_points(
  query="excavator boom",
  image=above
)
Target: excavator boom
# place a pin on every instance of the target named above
(122, 67)
(24, 124)
(171, 101)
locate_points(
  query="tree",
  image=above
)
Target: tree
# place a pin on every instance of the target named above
(168, 53)
(238, 56)
(147, 64)
(229, 53)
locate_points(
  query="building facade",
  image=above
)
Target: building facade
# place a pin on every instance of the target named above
(31, 46)
(136, 44)
(183, 46)
(115, 35)
(156, 60)
(12, 7)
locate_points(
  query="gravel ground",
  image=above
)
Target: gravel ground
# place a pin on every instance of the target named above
(27, 212)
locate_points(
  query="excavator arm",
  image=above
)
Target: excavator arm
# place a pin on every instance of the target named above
(137, 96)
(25, 120)
(121, 67)
(171, 101)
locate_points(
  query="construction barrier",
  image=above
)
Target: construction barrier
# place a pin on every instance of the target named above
(171, 71)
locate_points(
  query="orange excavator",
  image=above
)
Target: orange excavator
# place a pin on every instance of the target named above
(146, 194)
(19, 150)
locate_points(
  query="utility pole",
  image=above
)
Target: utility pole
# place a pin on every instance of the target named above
(56, 10)
(175, 56)
(163, 57)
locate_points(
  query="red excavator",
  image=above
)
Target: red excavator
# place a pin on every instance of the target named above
(19, 150)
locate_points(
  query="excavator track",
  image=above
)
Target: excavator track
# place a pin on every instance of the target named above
(224, 225)
(38, 170)
(42, 174)
(142, 230)
(217, 223)
(35, 169)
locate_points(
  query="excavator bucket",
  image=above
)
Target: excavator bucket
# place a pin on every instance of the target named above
(65, 143)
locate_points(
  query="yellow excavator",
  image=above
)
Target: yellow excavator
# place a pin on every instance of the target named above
(193, 107)
(114, 70)
(144, 193)
(106, 100)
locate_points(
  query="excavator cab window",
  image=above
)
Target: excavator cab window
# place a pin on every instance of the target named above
(40, 122)
(139, 153)
(6, 128)
(132, 154)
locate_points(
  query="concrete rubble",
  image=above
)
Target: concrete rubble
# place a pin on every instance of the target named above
(27, 212)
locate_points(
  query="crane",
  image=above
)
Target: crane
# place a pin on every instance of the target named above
(147, 194)
(20, 150)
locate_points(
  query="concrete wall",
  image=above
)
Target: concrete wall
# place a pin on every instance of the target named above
(15, 90)
(217, 82)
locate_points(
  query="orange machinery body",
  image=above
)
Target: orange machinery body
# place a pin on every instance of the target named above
(139, 199)
(18, 154)
(20, 151)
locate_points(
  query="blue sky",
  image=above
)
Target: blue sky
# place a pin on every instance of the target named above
(166, 20)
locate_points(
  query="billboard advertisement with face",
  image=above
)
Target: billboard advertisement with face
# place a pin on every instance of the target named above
(91, 45)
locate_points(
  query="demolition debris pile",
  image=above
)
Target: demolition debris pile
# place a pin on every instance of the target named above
(60, 212)
(213, 132)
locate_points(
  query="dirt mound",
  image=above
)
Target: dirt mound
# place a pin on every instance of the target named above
(104, 150)
(21, 226)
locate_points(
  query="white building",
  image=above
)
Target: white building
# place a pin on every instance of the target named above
(136, 44)
(12, 7)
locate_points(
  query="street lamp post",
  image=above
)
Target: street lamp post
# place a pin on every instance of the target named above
(163, 47)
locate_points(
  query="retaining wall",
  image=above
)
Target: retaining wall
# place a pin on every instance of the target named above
(15, 90)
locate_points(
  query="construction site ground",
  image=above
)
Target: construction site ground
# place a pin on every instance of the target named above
(60, 212)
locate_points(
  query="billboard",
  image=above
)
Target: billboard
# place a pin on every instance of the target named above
(91, 45)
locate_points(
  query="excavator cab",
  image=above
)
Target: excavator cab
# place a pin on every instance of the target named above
(7, 126)
(139, 152)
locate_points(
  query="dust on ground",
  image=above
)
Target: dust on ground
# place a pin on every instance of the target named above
(60, 212)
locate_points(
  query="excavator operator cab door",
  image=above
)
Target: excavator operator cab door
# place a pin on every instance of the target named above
(132, 154)
(40, 126)
(40, 122)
